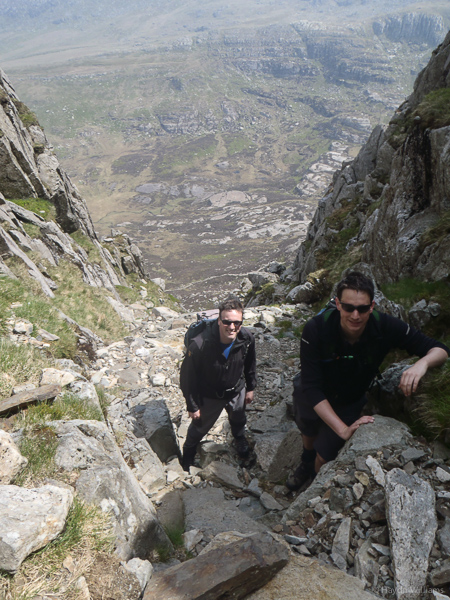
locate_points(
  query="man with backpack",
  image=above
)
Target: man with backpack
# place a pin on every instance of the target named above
(218, 372)
(341, 351)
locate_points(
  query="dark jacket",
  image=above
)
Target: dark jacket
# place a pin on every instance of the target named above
(340, 372)
(206, 373)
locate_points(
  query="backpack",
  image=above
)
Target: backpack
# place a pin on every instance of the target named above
(204, 318)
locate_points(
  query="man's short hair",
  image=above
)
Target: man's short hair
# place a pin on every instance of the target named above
(358, 282)
(231, 304)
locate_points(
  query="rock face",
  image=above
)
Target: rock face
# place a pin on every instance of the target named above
(411, 27)
(388, 207)
(29, 169)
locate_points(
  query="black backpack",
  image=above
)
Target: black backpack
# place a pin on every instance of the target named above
(204, 319)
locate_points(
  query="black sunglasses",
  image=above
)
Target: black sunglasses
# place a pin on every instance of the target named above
(361, 308)
(237, 324)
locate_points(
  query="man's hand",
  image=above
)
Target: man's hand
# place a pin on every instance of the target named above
(248, 397)
(411, 377)
(194, 415)
(349, 430)
(328, 415)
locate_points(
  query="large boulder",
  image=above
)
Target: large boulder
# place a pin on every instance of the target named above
(411, 514)
(107, 481)
(231, 571)
(307, 579)
(153, 422)
(29, 520)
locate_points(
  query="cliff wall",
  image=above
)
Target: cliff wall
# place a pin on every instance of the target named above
(31, 176)
(390, 206)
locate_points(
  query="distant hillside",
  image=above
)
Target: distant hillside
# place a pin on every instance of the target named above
(155, 112)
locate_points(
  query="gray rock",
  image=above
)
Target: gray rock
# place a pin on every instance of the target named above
(441, 575)
(269, 502)
(366, 567)
(410, 503)
(341, 543)
(223, 474)
(307, 293)
(22, 326)
(307, 579)
(11, 460)
(106, 480)
(261, 278)
(165, 313)
(443, 537)
(153, 422)
(142, 569)
(146, 466)
(41, 518)
(234, 570)
(278, 453)
(208, 510)
(383, 432)
(86, 391)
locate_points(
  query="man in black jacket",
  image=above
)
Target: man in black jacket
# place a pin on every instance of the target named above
(219, 371)
(340, 353)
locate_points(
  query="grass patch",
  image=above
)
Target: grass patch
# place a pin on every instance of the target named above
(19, 364)
(36, 307)
(408, 291)
(87, 530)
(437, 233)
(88, 245)
(85, 304)
(67, 406)
(27, 116)
(434, 110)
(175, 535)
(238, 143)
(32, 230)
(154, 293)
(433, 407)
(337, 243)
(42, 207)
(38, 445)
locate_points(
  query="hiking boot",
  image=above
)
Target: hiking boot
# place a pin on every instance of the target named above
(242, 447)
(302, 474)
(187, 460)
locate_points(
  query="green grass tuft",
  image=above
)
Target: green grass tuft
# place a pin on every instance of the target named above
(433, 406)
(19, 364)
(38, 445)
(40, 206)
(434, 110)
(66, 407)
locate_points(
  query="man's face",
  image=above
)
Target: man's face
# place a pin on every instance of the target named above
(354, 322)
(227, 325)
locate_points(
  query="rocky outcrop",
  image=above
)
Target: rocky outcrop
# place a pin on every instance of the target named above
(389, 206)
(415, 28)
(28, 166)
(30, 170)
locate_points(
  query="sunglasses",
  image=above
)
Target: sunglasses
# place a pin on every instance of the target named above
(361, 308)
(226, 322)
